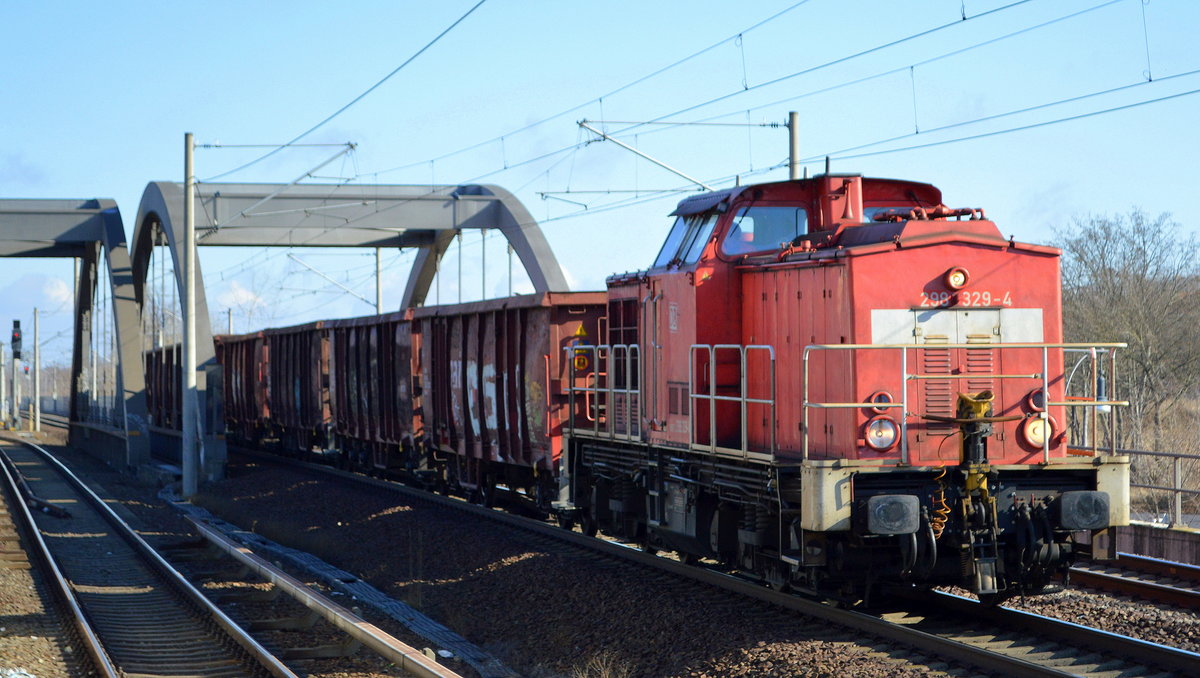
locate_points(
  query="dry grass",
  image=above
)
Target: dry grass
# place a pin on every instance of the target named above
(603, 665)
(1176, 436)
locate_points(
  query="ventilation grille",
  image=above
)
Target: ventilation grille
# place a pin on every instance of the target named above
(678, 401)
(939, 394)
(980, 361)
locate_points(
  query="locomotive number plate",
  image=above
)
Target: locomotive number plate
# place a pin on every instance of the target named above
(967, 298)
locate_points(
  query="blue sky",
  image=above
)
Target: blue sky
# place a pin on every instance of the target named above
(96, 98)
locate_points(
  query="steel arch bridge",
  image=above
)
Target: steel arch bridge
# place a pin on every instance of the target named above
(125, 367)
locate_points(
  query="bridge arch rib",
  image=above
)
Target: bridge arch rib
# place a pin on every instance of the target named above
(114, 428)
(308, 215)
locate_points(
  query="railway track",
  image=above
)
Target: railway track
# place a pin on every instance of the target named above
(1147, 578)
(996, 641)
(34, 631)
(139, 616)
(134, 614)
(48, 421)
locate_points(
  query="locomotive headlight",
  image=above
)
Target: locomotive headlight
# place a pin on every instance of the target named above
(956, 278)
(882, 433)
(1037, 430)
(893, 514)
(1084, 510)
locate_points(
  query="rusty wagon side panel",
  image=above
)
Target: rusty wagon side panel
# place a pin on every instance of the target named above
(493, 378)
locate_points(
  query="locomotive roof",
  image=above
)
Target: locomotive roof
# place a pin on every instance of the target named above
(702, 202)
(695, 204)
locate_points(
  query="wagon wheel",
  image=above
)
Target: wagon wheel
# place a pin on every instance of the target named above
(587, 523)
(487, 493)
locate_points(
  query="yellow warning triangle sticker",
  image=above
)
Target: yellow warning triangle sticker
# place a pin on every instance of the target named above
(581, 332)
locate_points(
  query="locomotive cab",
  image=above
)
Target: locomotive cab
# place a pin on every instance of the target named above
(696, 296)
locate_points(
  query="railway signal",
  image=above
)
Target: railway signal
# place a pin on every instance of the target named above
(16, 340)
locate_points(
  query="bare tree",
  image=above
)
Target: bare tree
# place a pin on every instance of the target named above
(250, 304)
(1136, 279)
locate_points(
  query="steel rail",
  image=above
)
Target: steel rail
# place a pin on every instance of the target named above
(979, 657)
(87, 635)
(1119, 583)
(251, 646)
(1162, 656)
(1098, 575)
(408, 658)
(1158, 566)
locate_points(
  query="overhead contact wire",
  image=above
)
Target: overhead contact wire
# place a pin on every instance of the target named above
(874, 76)
(740, 91)
(1006, 114)
(1022, 128)
(358, 98)
(839, 60)
(614, 92)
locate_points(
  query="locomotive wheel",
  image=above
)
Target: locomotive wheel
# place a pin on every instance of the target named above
(714, 535)
(565, 522)
(993, 599)
(777, 579)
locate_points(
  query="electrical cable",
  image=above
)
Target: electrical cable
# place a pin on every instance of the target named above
(881, 74)
(834, 62)
(600, 98)
(1021, 128)
(1006, 114)
(356, 99)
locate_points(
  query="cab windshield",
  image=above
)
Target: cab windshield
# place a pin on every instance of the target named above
(761, 228)
(686, 240)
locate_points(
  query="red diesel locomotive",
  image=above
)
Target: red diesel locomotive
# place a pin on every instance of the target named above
(833, 382)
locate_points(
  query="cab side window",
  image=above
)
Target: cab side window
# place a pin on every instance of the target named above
(761, 228)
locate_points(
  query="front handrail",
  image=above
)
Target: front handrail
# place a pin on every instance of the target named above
(905, 378)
